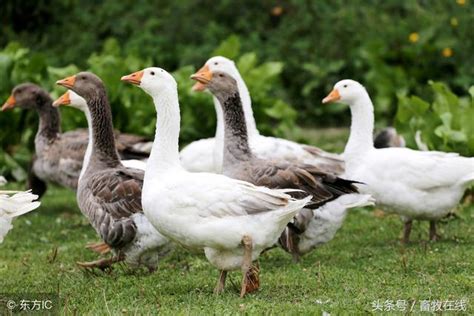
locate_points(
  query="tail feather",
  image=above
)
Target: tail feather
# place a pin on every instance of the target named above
(18, 204)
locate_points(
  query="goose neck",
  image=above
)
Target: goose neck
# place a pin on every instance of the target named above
(49, 119)
(247, 106)
(103, 153)
(164, 155)
(88, 153)
(361, 134)
(236, 145)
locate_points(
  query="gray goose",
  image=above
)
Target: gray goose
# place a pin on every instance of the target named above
(58, 156)
(388, 137)
(240, 163)
(109, 194)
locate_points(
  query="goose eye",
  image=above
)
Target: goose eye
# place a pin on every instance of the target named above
(152, 73)
(221, 75)
(216, 63)
(345, 86)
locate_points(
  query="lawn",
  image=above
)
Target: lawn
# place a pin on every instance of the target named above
(364, 264)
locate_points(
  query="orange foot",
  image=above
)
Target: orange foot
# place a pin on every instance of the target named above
(253, 279)
(99, 247)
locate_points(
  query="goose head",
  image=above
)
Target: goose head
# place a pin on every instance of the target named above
(152, 80)
(71, 98)
(346, 91)
(217, 63)
(25, 96)
(86, 84)
(220, 83)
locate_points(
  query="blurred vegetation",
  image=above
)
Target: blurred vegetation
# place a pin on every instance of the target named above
(289, 52)
(446, 123)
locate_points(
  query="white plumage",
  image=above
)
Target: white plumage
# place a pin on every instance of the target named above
(328, 219)
(12, 206)
(195, 156)
(206, 211)
(422, 185)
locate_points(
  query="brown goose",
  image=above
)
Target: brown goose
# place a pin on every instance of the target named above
(59, 156)
(108, 193)
(240, 163)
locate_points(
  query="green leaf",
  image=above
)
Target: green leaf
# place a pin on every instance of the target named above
(229, 48)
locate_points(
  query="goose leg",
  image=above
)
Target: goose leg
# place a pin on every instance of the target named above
(250, 279)
(433, 235)
(221, 282)
(101, 264)
(35, 184)
(99, 247)
(407, 231)
(296, 257)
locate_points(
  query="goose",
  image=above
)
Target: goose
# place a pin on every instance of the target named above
(239, 162)
(388, 137)
(72, 98)
(108, 193)
(418, 185)
(263, 146)
(13, 206)
(59, 156)
(233, 221)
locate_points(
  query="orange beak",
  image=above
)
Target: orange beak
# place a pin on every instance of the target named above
(332, 97)
(65, 99)
(203, 77)
(67, 82)
(134, 78)
(9, 104)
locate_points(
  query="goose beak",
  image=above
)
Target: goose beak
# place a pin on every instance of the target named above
(67, 82)
(332, 97)
(65, 99)
(134, 78)
(203, 77)
(9, 104)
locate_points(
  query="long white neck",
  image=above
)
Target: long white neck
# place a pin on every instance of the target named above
(362, 126)
(219, 138)
(247, 105)
(164, 154)
(252, 130)
(87, 156)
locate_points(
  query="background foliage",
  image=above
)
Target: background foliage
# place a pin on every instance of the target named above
(289, 52)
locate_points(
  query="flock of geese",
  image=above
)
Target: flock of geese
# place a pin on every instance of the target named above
(232, 196)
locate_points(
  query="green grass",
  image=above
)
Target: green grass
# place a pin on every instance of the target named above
(364, 262)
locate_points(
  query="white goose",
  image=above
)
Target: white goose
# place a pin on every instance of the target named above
(423, 185)
(195, 156)
(13, 206)
(72, 98)
(232, 221)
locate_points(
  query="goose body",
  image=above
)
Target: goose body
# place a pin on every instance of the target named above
(263, 147)
(231, 220)
(109, 194)
(12, 206)
(241, 163)
(58, 156)
(318, 227)
(423, 185)
(197, 156)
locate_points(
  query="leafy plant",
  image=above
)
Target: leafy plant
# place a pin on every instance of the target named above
(446, 122)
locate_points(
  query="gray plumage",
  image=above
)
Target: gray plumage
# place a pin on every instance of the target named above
(59, 156)
(109, 194)
(240, 163)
